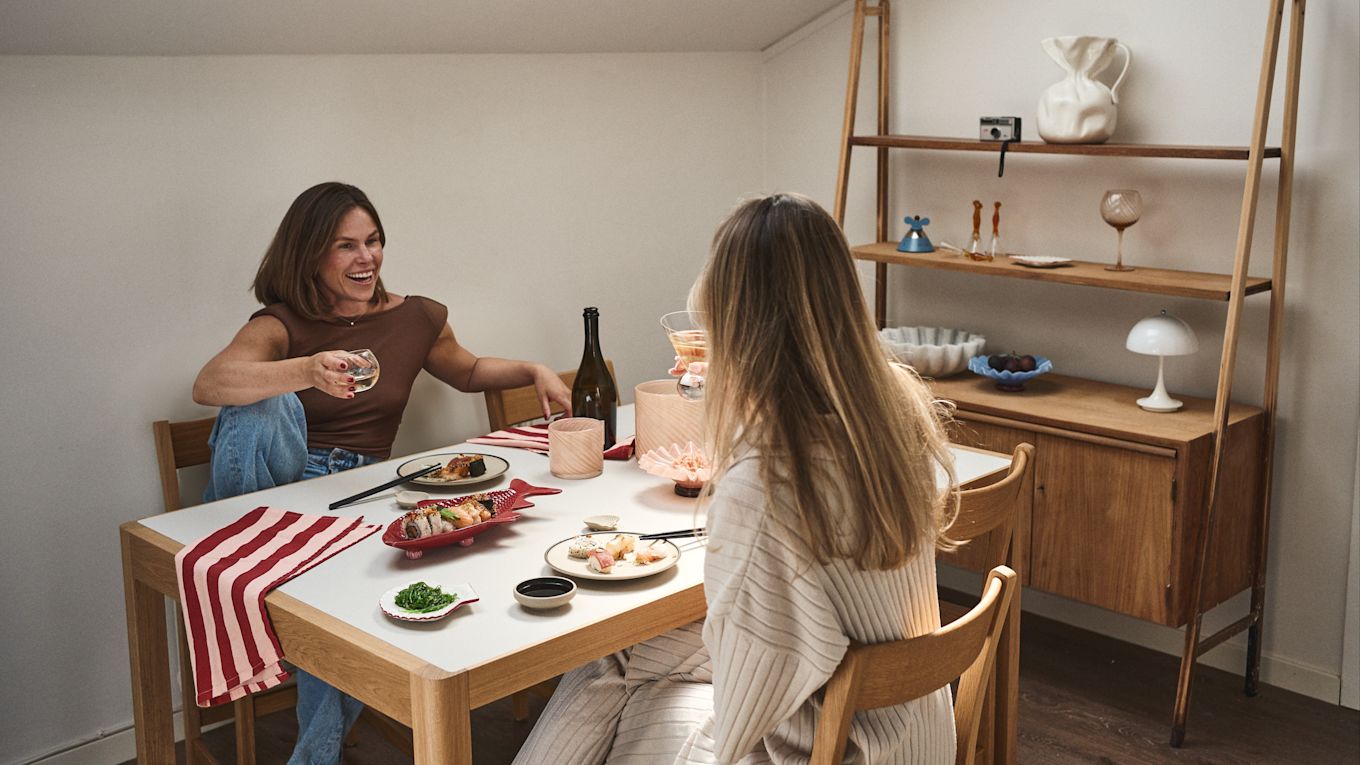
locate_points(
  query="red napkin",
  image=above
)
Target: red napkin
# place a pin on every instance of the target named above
(535, 439)
(223, 579)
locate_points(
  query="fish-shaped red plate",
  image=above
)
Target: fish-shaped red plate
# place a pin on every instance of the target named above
(507, 501)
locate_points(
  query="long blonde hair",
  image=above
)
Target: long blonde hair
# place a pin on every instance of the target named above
(797, 373)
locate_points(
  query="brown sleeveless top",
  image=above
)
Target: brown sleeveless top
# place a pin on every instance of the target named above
(400, 337)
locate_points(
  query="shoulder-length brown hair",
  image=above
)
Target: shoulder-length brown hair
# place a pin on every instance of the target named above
(288, 272)
(796, 371)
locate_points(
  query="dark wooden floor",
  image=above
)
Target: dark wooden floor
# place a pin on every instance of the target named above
(1084, 699)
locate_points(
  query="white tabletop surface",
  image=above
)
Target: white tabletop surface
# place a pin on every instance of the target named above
(348, 585)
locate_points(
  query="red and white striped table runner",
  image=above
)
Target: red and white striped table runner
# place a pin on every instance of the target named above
(223, 580)
(535, 439)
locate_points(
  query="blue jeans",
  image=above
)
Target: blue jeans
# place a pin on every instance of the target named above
(259, 446)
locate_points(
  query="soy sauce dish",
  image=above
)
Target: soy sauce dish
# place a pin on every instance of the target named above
(545, 592)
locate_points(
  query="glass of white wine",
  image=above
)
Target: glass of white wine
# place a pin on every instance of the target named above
(685, 330)
(364, 369)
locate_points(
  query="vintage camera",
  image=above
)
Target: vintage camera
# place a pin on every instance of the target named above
(999, 129)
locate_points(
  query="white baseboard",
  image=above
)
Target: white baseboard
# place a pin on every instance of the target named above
(110, 748)
(1279, 671)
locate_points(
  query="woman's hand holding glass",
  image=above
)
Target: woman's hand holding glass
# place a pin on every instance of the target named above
(343, 373)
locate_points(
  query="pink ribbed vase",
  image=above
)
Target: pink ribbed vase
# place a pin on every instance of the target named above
(664, 417)
(576, 447)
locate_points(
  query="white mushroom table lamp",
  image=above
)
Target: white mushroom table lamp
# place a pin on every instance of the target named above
(1161, 336)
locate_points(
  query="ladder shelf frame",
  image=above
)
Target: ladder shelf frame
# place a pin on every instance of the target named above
(1254, 154)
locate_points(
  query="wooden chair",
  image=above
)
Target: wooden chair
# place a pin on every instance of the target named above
(513, 406)
(884, 674)
(181, 445)
(987, 518)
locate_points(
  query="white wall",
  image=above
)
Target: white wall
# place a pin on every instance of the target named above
(1193, 80)
(138, 194)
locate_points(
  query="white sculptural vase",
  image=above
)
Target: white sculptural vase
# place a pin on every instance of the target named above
(1078, 109)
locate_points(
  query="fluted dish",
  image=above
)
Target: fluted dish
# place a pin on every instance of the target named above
(932, 351)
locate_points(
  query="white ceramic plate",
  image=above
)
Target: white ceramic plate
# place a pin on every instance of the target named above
(1040, 261)
(388, 602)
(557, 557)
(495, 468)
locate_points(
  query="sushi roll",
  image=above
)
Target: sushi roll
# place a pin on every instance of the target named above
(416, 525)
(580, 547)
(620, 545)
(600, 560)
(465, 466)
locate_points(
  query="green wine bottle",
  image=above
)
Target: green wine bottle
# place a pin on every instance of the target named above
(594, 393)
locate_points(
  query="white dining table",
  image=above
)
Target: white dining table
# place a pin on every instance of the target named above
(429, 675)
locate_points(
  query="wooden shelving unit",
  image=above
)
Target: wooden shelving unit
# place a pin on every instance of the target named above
(1192, 487)
(1166, 151)
(1159, 281)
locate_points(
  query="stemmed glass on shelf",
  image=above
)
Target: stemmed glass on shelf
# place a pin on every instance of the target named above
(1121, 208)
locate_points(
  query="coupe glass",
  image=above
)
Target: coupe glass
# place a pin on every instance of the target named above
(685, 330)
(364, 369)
(1121, 208)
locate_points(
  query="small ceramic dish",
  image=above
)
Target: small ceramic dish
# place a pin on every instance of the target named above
(545, 592)
(463, 594)
(1011, 382)
(409, 499)
(932, 351)
(1040, 261)
(602, 522)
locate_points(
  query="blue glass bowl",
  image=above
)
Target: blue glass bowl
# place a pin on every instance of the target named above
(1009, 381)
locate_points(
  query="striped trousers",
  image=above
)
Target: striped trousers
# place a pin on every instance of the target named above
(649, 704)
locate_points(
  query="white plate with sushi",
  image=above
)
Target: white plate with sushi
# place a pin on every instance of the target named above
(457, 471)
(608, 556)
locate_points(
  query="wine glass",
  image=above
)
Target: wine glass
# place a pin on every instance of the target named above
(364, 369)
(685, 330)
(1121, 208)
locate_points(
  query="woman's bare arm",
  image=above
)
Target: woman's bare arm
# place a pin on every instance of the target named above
(452, 363)
(252, 368)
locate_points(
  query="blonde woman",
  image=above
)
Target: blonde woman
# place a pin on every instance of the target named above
(822, 525)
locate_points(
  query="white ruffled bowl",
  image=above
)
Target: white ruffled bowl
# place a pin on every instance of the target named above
(932, 351)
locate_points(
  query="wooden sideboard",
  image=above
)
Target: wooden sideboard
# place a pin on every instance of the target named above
(1118, 491)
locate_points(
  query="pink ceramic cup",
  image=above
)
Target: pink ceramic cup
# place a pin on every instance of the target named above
(576, 447)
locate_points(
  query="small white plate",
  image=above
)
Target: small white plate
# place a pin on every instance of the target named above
(388, 602)
(495, 467)
(602, 522)
(558, 558)
(1040, 261)
(409, 499)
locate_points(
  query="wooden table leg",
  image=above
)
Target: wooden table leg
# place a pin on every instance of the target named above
(149, 658)
(440, 717)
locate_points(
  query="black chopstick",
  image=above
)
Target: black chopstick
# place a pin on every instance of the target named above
(388, 485)
(681, 534)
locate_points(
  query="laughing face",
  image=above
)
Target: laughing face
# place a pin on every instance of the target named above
(349, 270)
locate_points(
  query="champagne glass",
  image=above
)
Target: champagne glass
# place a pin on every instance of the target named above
(685, 330)
(363, 368)
(1121, 208)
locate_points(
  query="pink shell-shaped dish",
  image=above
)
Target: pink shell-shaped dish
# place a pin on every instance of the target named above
(684, 465)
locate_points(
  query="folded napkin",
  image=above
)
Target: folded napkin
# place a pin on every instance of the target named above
(535, 439)
(223, 579)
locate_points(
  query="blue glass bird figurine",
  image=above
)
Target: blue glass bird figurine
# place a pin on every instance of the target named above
(916, 239)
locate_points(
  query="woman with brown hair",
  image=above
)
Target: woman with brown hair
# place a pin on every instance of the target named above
(822, 525)
(286, 382)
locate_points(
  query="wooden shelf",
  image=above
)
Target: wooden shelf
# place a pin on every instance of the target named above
(1089, 406)
(1038, 147)
(1160, 281)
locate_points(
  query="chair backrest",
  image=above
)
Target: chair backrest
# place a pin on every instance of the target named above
(995, 508)
(179, 445)
(884, 674)
(512, 406)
